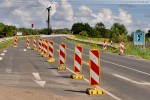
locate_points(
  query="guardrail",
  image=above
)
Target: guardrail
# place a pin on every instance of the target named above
(5, 39)
(10, 38)
(85, 41)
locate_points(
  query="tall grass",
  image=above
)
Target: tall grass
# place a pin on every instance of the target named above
(138, 51)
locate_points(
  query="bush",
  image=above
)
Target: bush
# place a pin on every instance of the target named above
(83, 33)
(119, 38)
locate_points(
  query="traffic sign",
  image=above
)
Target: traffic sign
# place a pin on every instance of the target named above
(139, 38)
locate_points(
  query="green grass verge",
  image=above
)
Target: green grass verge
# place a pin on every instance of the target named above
(9, 42)
(137, 51)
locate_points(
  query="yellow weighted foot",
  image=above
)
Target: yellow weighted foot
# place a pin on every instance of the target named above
(94, 91)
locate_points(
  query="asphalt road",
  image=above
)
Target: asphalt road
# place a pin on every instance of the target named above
(122, 78)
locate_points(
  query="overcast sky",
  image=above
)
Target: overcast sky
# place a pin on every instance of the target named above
(134, 14)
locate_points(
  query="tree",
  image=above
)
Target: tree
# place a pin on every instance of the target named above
(100, 27)
(147, 35)
(88, 29)
(62, 31)
(117, 32)
(83, 33)
(130, 37)
(77, 28)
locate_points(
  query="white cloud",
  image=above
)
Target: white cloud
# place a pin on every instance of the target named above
(105, 15)
(64, 11)
(124, 17)
(23, 13)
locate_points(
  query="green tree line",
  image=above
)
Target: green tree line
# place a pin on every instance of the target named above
(9, 30)
(117, 32)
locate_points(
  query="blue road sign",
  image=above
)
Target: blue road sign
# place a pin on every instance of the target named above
(139, 38)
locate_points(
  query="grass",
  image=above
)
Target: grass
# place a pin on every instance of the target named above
(91, 39)
(9, 42)
(131, 50)
(138, 51)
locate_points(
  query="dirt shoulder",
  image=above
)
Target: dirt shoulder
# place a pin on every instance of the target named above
(8, 93)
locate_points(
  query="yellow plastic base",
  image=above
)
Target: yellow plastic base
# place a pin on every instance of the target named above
(94, 91)
(39, 50)
(35, 49)
(62, 68)
(44, 55)
(76, 76)
(15, 46)
(28, 47)
(51, 60)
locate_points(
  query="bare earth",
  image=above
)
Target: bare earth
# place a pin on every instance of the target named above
(18, 94)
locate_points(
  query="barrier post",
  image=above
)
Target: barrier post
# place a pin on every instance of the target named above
(34, 43)
(51, 51)
(94, 62)
(42, 47)
(15, 41)
(62, 56)
(39, 45)
(28, 42)
(77, 63)
(45, 48)
(121, 48)
(105, 45)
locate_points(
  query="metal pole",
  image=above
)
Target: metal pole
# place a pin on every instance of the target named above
(49, 25)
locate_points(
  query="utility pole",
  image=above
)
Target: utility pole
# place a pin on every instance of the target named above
(48, 22)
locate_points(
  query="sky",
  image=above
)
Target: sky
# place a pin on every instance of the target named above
(134, 14)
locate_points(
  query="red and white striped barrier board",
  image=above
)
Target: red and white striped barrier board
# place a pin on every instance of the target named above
(62, 54)
(94, 62)
(16, 41)
(121, 48)
(45, 47)
(28, 42)
(78, 59)
(51, 49)
(34, 42)
(105, 45)
(40, 44)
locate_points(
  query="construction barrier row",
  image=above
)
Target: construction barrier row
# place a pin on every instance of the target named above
(46, 49)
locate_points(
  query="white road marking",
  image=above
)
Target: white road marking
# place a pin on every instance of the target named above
(5, 51)
(127, 67)
(37, 76)
(9, 70)
(41, 83)
(2, 54)
(110, 94)
(120, 65)
(25, 50)
(38, 79)
(1, 58)
(127, 79)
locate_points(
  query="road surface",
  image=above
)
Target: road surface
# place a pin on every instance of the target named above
(28, 74)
